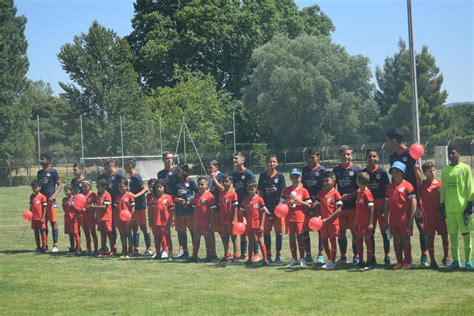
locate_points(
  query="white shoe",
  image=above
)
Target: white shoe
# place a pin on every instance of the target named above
(293, 262)
(164, 255)
(55, 249)
(180, 253)
(148, 253)
(330, 265)
(303, 263)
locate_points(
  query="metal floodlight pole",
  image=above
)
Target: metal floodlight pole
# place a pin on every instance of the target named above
(82, 140)
(414, 89)
(39, 139)
(184, 143)
(233, 123)
(121, 140)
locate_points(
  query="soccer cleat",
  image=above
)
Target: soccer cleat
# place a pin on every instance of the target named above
(95, 253)
(303, 263)
(243, 257)
(37, 251)
(308, 259)
(164, 255)
(469, 265)
(407, 265)
(101, 254)
(270, 258)
(355, 260)
(397, 266)
(180, 254)
(446, 262)
(424, 261)
(320, 259)
(256, 257)
(248, 262)
(369, 266)
(71, 250)
(434, 265)
(46, 249)
(184, 255)
(156, 256)
(264, 263)
(330, 265)
(342, 260)
(147, 253)
(170, 258)
(386, 260)
(455, 265)
(360, 265)
(55, 249)
(78, 252)
(112, 254)
(293, 262)
(278, 259)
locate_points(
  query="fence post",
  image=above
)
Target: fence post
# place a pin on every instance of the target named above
(250, 159)
(362, 155)
(304, 150)
(383, 154)
(322, 154)
(9, 172)
(284, 159)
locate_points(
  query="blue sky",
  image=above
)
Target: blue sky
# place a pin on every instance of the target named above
(368, 27)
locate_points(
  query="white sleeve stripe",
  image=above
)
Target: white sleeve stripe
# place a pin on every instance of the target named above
(213, 207)
(411, 196)
(308, 201)
(339, 203)
(235, 203)
(387, 199)
(106, 203)
(370, 204)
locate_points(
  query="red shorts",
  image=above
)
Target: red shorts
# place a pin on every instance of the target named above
(294, 227)
(379, 212)
(240, 215)
(51, 211)
(329, 230)
(90, 219)
(71, 226)
(401, 229)
(254, 232)
(272, 221)
(363, 231)
(139, 218)
(201, 230)
(346, 220)
(38, 224)
(216, 222)
(184, 221)
(431, 227)
(105, 226)
(226, 229)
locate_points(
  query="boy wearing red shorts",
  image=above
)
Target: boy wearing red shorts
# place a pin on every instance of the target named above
(400, 204)
(364, 219)
(205, 204)
(103, 211)
(228, 205)
(71, 227)
(299, 202)
(125, 202)
(328, 206)
(163, 206)
(87, 218)
(253, 208)
(38, 203)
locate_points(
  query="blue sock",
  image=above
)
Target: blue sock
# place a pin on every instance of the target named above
(243, 245)
(55, 236)
(386, 243)
(342, 245)
(354, 248)
(423, 244)
(279, 242)
(255, 247)
(136, 239)
(268, 243)
(147, 240)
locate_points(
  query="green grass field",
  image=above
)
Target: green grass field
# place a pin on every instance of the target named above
(64, 284)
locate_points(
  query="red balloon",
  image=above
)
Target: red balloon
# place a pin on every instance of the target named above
(79, 202)
(238, 229)
(27, 215)
(416, 151)
(125, 216)
(281, 210)
(315, 223)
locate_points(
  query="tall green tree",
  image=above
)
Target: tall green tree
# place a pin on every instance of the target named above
(309, 91)
(394, 93)
(215, 37)
(100, 63)
(16, 138)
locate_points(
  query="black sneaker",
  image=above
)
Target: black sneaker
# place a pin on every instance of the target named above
(193, 259)
(248, 262)
(446, 262)
(369, 266)
(434, 265)
(360, 265)
(386, 260)
(264, 263)
(184, 256)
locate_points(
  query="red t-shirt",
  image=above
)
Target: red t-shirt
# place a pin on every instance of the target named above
(150, 203)
(227, 201)
(297, 212)
(105, 199)
(329, 201)
(36, 206)
(364, 201)
(163, 205)
(68, 207)
(399, 198)
(429, 194)
(126, 202)
(203, 205)
(91, 199)
(252, 207)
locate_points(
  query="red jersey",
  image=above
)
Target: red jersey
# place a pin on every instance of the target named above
(126, 202)
(105, 199)
(364, 201)
(163, 205)
(297, 212)
(37, 202)
(429, 194)
(329, 202)
(253, 207)
(399, 198)
(227, 201)
(203, 205)
(68, 207)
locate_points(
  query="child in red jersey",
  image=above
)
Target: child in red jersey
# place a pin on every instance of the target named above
(253, 208)
(87, 218)
(400, 204)
(125, 202)
(329, 206)
(228, 204)
(204, 206)
(150, 205)
(429, 192)
(299, 202)
(163, 206)
(364, 219)
(71, 226)
(103, 212)
(38, 203)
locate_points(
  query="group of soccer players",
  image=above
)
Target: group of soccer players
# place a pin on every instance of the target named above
(346, 198)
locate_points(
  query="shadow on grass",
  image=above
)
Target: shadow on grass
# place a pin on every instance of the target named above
(14, 252)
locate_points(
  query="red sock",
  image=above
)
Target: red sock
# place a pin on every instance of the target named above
(264, 251)
(71, 241)
(44, 238)
(445, 246)
(360, 248)
(370, 248)
(110, 235)
(333, 249)
(430, 245)
(164, 241)
(398, 251)
(94, 239)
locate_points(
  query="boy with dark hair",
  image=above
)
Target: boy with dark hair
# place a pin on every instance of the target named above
(413, 175)
(271, 184)
(456, 204)
(38, 204)
(313, 182)
(168, 174)
(51, 186)
(78, 172)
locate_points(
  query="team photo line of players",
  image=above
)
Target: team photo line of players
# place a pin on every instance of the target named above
(346, 198)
